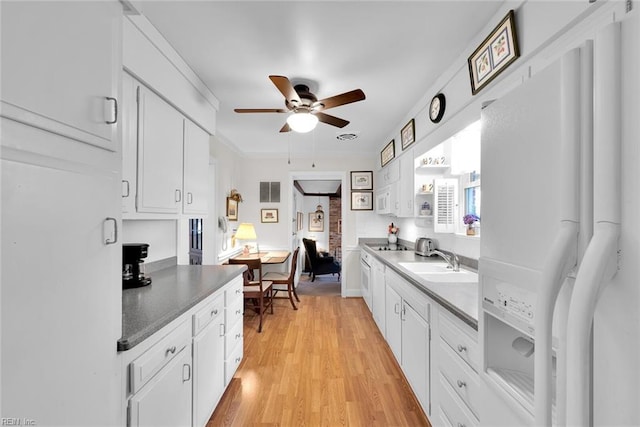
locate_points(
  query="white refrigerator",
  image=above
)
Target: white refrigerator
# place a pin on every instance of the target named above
(560, 251)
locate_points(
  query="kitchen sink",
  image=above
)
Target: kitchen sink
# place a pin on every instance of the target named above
(438, 272)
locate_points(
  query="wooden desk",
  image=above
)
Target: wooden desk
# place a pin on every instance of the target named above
(271, 257)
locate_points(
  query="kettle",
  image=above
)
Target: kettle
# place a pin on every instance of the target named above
(424, 246)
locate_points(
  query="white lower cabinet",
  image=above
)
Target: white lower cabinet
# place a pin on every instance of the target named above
(459, 388)
(234, 339)
(208, 359)
(161, 382)
(377, 294)
(177, 376)
(166, 399)
(408, 334)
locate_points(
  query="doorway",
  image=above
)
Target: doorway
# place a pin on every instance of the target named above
(318, 212)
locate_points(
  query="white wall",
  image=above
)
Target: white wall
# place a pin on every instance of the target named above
(159, 234)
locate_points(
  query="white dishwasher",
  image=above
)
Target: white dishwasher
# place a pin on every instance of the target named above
(365, 276)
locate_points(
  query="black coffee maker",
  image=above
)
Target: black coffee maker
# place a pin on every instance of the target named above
(133, 255)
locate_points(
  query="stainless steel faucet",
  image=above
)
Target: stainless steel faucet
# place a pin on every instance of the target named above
(452, 259)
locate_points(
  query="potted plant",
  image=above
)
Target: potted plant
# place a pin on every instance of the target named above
(469, 220)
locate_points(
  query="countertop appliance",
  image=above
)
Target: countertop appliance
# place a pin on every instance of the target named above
(561, 282)
(424, 246)
(133, 255)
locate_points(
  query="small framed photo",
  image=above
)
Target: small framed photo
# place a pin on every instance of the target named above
(269, 215)
(299, 221)
(315, 224)
(232, 209)
(408, 134)
(388, 152)
(495, 54)
(362, 200)
(362, 180)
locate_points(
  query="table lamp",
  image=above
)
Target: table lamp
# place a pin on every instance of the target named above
(246, 231)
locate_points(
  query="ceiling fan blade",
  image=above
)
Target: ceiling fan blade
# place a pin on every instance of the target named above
(260, 110)
(286, 88)
(331, 120)
(285, 128)
(342, 99)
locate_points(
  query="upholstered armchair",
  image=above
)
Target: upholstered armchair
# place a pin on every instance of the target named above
(320, 264)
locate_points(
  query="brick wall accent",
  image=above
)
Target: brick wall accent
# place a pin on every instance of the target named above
(335, 231)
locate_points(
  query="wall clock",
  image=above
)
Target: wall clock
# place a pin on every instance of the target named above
(436, 108)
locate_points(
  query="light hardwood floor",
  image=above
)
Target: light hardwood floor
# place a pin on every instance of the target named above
(325, 364)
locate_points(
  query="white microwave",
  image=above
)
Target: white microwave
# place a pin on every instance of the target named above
(384, 201)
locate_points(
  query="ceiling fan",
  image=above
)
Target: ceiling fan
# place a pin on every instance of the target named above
(306, 110)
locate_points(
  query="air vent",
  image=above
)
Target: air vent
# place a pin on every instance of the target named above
(346, 136)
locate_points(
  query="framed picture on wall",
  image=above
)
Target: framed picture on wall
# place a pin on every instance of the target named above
(388, 153)
(362, 180)
(269, 215)
(232, 209)
(408, 134)
(315, 223)
(494, 55)
(361, 200)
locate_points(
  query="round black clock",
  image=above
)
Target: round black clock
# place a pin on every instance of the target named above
(436, 108)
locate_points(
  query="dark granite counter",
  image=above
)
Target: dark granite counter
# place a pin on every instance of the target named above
(461, 299)
(172, 292)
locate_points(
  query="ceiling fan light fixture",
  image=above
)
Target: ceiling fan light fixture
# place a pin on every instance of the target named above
(302, 121)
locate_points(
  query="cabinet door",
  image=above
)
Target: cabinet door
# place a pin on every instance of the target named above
(160, 135)
(129, 121)
(378, 295)
(406, 189)
(208, 369)
(59, 280)
(166, 399)
(196, 168)
(60, 61)
(393, 322)
(416, 353)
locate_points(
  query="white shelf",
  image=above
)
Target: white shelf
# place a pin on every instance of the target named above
(432, 168)
(424, 193)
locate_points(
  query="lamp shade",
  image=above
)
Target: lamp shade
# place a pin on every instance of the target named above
(302, 121)
(246, 231)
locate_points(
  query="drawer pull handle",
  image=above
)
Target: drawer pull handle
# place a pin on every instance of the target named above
(214, 311)
(461, 383)
(238, 336)
(238, 359)
(238, 311)
(461, 348)
(238, 291)
(460, 425)
(171, 350)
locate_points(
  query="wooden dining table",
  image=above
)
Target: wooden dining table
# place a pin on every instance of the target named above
(270, 257)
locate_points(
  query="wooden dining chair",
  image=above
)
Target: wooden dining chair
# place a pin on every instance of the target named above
(258, 293)
(283, 281)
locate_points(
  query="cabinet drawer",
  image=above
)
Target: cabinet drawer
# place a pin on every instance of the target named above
(452, 409)
(150, 362)
(462, 379)
(460, 341)
(208, 313)
(234, 291)
(234, 313)
(233, 338)
(232, 363)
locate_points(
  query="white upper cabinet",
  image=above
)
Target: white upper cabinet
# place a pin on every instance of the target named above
(160, 136)
(406, 190)
(70, 65)
(195, 169)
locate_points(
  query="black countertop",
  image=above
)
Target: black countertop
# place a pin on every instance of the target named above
(461, 299)
(172, 292)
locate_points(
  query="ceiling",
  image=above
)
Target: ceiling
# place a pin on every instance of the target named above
(318, 187)
(393, 50)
